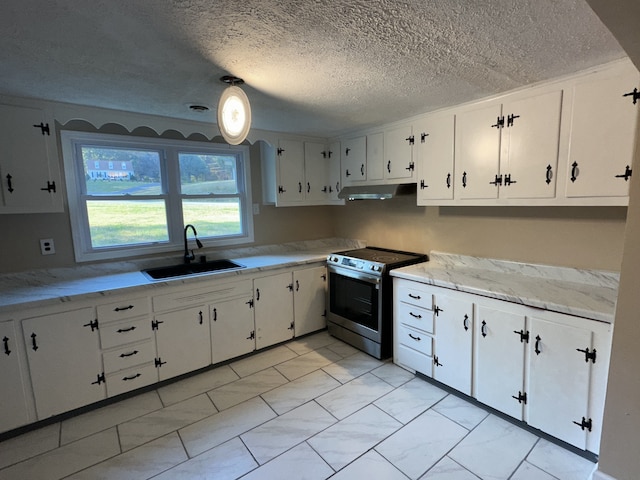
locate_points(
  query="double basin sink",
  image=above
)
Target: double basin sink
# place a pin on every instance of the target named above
(186, 269)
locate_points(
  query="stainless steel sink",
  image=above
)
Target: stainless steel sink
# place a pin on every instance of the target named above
(186, 269)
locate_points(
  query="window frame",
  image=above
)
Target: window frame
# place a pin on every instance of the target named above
(169, 150)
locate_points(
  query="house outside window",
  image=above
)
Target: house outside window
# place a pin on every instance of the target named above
(161, 186)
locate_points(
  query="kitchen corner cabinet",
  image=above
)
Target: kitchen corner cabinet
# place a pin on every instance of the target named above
(29, 168)
(509, 150)
(544, 368)
(309, 297)
(434, 140)
(63, 352)
(398, 154)
(604, 114)
(14, 412)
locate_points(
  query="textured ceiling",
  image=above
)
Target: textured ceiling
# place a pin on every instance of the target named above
(310, 66)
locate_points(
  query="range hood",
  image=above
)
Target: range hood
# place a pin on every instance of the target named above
(377, 192)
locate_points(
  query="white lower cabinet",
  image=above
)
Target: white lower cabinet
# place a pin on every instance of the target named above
(273, 300)
(544, 368)
(63, 350)
(182, 341)
(14, 411)
(232, 328)
(452, 359)
(499, 359)
(309, 298)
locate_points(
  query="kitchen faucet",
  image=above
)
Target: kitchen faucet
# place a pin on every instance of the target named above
(188, 254)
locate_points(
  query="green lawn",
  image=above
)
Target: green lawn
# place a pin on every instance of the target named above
(130, 222)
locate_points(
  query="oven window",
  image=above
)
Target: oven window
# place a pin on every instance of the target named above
(355, 300)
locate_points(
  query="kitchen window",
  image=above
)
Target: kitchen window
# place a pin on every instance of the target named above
(161, 186)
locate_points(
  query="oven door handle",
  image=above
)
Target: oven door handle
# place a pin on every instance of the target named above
(357, 275)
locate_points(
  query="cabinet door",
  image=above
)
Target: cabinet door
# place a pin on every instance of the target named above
(309, 299)
(398, 153)
(354, 160)
(27, 165)
(273, 301)
(316, 168)
(232, 329)
(477, 153)
(374, 169)
(499, 360)
(603, 127)
(64, 361)
(334, 172)
(12, 396)
(452, 361)
(434, 142)
(290, 159)
(529, 147)
(559, 379)
(182, 341)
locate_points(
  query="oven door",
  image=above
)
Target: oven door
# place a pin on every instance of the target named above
(354, 300)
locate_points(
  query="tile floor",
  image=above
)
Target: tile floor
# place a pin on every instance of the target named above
(314, 408)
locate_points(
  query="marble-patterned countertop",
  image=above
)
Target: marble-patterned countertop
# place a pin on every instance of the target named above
(590, 294)
(40, 288)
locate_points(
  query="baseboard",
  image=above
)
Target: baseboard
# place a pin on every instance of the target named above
(598, 475)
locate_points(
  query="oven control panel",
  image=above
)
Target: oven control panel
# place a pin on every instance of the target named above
(356, 264)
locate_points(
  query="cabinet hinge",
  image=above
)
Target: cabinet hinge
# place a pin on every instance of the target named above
(510, 119)
(44, 128)
(94, 325)
(324, 153)
(51, 187)
(499, 123)
(411, 167)
(99, 379)
(423, 137)
(411, 139)
(436, 362)
(250, 303)
(423, 185)
(280, 151)
(291, 326)
(588, 355)
(524, 336)
(635, 95)
(158, 362)
(437, 310)
(522, 397)
(508, 181)
(252, 335)
(627, 173)
(585, 424)
(497, 181)
(155, 323)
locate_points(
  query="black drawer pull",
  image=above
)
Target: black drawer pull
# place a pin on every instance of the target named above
(132, 377)
(415, 338)
(130, 354)
(5, 341)
(415, 297)
(415, 315)
(122, 309)
(125, 330)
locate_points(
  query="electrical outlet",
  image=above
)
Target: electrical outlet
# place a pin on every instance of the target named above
(256, 209)
(47, 246)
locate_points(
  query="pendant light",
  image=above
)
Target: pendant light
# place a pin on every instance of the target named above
(234, 111)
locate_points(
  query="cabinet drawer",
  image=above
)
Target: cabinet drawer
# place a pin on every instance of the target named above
(415, 339)
(415, 294)
(415, 317)
(217, 291)
(414, 360)
(129, 356)
(123, 309)
(127, 380)
(121, 333)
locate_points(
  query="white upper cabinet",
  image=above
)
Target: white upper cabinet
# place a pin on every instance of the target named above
(604, 114)
(290, 160)
(434, 137)
(354, 160)
(509, 150)
(398, 153)
(374, 169)
(477, 146)
(316, 173)
(335, 181)
(29, 170)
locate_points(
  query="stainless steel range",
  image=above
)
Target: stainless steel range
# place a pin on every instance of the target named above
(360, 297)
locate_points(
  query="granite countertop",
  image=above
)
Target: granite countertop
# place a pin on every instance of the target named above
(590, 294)
(39, 288)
